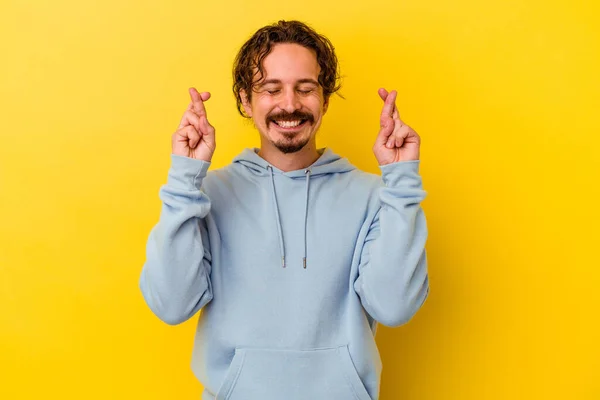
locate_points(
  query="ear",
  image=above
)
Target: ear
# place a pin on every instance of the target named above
(246, 103)
(325, 106)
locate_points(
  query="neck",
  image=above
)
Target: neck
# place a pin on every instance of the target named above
(291, 161)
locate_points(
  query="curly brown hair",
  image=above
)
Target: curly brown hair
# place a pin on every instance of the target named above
(248, 68)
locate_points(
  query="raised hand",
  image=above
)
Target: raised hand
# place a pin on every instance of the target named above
(195, 137)
(396, 141)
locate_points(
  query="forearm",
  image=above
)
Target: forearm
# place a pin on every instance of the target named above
(175, 279)
(393, 281)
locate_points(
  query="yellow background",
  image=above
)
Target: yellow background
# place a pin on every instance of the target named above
(505, 95)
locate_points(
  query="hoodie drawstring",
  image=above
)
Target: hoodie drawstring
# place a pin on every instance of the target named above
(281, 247)
(278, 218)
(307, 172)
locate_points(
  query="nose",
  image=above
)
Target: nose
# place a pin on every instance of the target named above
(290, 101)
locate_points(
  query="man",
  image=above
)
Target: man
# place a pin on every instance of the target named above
(292, 253)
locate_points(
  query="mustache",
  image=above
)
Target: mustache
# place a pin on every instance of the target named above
(294, 116)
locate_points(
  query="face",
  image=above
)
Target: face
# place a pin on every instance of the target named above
(287, 104)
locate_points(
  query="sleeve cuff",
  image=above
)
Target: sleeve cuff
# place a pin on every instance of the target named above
(401, 173)
(186, 173)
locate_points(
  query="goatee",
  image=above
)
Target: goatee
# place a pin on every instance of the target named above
(287, 147)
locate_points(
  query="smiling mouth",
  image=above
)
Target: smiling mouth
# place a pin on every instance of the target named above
(293, 124)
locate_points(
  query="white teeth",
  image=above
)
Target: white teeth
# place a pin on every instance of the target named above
(288, 124)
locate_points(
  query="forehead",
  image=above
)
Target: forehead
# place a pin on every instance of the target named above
(291, 62)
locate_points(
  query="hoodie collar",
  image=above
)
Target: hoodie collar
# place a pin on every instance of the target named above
(327, 163)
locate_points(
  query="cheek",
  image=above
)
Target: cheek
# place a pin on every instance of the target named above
(261, 106)
(318, 111)
(316, 104)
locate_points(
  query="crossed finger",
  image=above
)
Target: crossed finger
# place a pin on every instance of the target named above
(391, 112)
(198, 100)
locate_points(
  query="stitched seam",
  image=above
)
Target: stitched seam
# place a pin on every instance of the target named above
(237, 375)
(348, 378)
(196, 177)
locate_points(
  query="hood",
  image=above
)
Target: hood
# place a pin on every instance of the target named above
(328, 163)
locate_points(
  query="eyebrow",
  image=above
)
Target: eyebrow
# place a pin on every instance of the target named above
(277, 81)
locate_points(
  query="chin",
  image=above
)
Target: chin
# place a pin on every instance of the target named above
(290, 146)
(289, 142)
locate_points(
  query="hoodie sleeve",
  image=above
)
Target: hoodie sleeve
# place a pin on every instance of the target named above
(392, 280)
(175, 279)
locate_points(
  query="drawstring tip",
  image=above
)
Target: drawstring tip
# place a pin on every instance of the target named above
(283, 262)
(304, 262)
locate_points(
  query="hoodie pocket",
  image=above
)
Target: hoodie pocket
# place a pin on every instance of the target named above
(274, 374)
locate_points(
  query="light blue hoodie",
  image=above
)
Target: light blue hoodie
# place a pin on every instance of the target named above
(292, 271)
